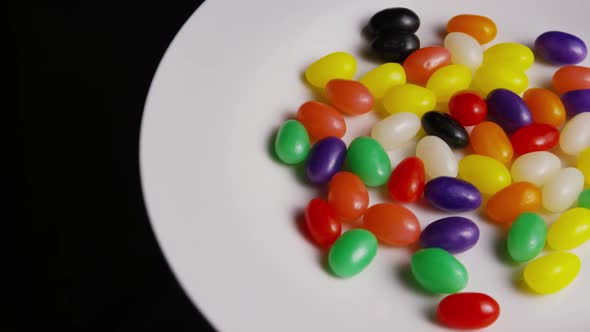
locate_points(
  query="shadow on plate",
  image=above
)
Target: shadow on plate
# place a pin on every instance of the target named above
(403, 273)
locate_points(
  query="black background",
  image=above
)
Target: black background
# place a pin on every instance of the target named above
(79, 75)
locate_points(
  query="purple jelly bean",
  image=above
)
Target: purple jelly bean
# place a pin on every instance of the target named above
(508, 110)
(560, 48)
(325, 159)
(453, 234)
(576, 101)
(451, 194)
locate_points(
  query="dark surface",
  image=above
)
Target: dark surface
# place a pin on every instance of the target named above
(82, 73)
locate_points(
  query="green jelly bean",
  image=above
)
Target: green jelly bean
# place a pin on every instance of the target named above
(352, 252)
(584, 199)
(438, 271)
(526, 237)
(292, 142)
(367, 159)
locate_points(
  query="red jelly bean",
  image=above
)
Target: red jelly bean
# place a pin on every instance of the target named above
(468, 108)
(348, 195)
(534, 137)
(406, 182)
(322, 222)
(321, 120)
(392, 224)
(467, 311)
(422, 63)
(350, 97)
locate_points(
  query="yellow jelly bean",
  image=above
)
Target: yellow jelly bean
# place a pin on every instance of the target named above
(382, 78)
(551, 273)
(409, 98)
(570, 230)
(448, 80)
(584, 164)
(512, 55)
(492, 76)
(334, 65)
(487, 174)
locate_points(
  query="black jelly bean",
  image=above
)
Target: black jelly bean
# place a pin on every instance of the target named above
(394, 20)
(445, 127)
(395, 47)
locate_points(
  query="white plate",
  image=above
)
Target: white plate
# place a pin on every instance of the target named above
(226, 213)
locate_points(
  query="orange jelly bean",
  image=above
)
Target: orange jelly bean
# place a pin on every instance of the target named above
(507, 204)
(321, 120)
(422, 63)
(489, 139)
(348, 196)
(350, 97)
(569, 78)
(545, 106)
(392, 224)
(482, 28)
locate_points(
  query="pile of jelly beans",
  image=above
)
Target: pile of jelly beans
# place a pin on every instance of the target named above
(463, 96)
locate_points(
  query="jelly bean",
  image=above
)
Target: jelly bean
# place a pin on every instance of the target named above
(352, 252)
(332, 66)
(453, 234)
(570, 230)
(292, 142)
(482, 28)
(396, 129)
(583, 164)
(491, 76)
(575, 136)
(422, 63)
(562, 189)
(392, 224)
(465, 50)
(452, 195)
(467, 311)
(468, 108)
(552, 272)
(350, 97)
(487, 174)
(322, 223)
(560, 48)
(447, 80)
(489, 139)
(397, 19)
(321, 120)
(348, 196)
(584, 199)
(325, 160)
(442, 125)
(437, 156)
(569, 78)
(507, 204)
(382, 78)
(409, 98)
(507, 109)
(576, 102)
(512, 55)
(545, 106)
(367, 159)
(438, 271)
(534, 137)
(406, 183)
(526, 237)
(535, 167)
(395, 46)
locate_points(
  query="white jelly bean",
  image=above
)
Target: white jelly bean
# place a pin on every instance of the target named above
(575, 136)
(396, 129)
(437, 156)
(562, 189)
(465, 50)
(535, 167)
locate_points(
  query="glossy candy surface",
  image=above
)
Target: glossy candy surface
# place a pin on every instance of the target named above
(561, 191)
(350, 97)
(453, 234)
(334, 65)
(545, 106)
(576, 102)
(442, 125)
(552, 272)
(575, 136)
(292, 142)
(526, 237)
(465, 50)
(507, 204)
(406, 183)
(452, 195)
(438, 271)
(535, 167)
(569, 78)
(513, 55)
(507, 109)
(409, 98)
(482, 28)
(491, 76)
(583, 164)
(322, 223)
(468, 108)
(560, 48)
(422, 63)
(352, 252)
(437, 156)
(489, 139)
(395, 130)
(448, 80)
(534, 137)
(348, 196)
(487, 174)
(382, 78)
(584, 199)
(325, 160)
(321, 120)
(396, 19)
(467, 311)
(395, 46)
(570, 230)
(392, 224)
(367, 159)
